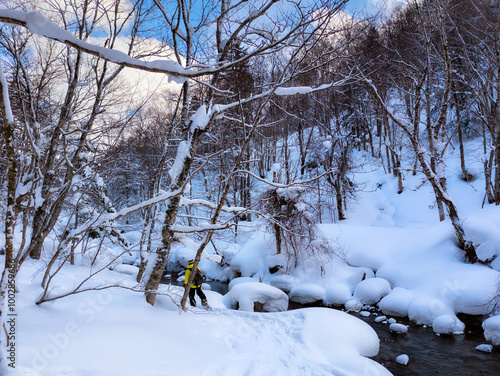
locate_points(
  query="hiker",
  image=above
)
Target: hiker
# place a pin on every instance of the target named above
(195, 286)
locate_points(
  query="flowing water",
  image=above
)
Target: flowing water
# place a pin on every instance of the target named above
(429, 354)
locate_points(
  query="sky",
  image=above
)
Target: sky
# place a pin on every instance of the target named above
(371, 6)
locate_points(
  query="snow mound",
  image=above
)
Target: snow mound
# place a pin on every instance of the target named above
(283, 282)
(337, 294)
(239, 280)
(447, 324)
(491, 328)
(340, 339)
(397, 302)
(424, 309)
(247, 294)
(307, 293)
(126, 269)
(353, 305)
(403, 359)
(371, 290)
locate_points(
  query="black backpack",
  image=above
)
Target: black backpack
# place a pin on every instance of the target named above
(198, 278)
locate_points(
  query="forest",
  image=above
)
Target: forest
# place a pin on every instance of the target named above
(131, 128)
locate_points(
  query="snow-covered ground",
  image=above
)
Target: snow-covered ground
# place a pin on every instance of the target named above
(392, 252)
(115, 332)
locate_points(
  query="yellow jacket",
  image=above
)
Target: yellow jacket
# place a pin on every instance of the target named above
(188, 273)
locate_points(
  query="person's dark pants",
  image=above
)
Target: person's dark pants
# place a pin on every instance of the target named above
(200, 293)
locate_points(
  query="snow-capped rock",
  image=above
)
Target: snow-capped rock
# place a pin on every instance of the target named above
(283, 282)
(397, 302)
(491, 328)
(447, 324)
(484, 348)
(247, 294)
(371, 290)
(307, 293)
(337, 294)
(398, 328)
(403, 359)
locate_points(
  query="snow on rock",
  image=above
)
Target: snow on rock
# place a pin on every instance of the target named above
(251, 260)
(247, 294)
(239, 280)
(488, 250)
(448, 324)
(491, 328)
(126, 269)
(307, 293)
(283, 282)
(371, 290)
(424, 309)
(496, 264)
(359, 275)
(484, 348)
(353, 305)
(397, 302)
(403, 359)
(337, 294)
(398, 328)
(380, 318)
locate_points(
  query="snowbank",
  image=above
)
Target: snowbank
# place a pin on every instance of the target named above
(249, 293)
(115, 332)
(326, 329)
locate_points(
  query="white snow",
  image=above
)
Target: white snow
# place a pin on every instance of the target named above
(126, 269)
(307, 293)
(398, 328)
(247, 293)
(337, 294)
(484, 348)
(283, 282)
(6, 97)
(448, 324)
(491, 328)
(237, 281)
(371, 290)
(397, 302)
(403, 359)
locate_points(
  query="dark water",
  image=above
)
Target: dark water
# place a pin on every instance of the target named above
(435, 355)
(429, 354)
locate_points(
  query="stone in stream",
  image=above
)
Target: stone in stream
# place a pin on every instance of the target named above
(484, 348)
(403, 359)
(398, 328)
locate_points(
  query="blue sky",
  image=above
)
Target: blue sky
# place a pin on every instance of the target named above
(371, 6)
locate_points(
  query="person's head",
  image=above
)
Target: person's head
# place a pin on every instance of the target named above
(191, 262)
